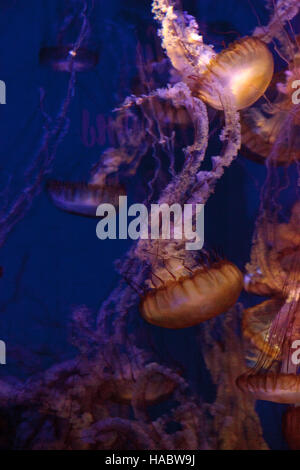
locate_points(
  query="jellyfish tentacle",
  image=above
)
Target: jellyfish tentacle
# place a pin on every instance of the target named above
(181, 39)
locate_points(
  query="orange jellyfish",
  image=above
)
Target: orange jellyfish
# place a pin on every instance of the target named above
(274, 256)
(271, 130)
(245, 70)
(275, 375)
(66, 58)
(256, 323)
(182, 298)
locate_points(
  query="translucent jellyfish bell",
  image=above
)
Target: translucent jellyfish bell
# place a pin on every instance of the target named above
(245, 69)
(256, 324)
(275, 376)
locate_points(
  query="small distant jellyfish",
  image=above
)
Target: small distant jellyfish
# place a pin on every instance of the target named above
(274, 256)
(272, 131)
(67, 59)
(83, 199)
(256, 324)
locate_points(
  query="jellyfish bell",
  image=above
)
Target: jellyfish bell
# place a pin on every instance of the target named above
(271, 386)
(256, 323)
(83, 199)
(190, 299)
(245, 69)
(65, 58)
(156, 387)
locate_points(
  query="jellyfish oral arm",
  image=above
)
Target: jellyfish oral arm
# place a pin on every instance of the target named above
(181, 39)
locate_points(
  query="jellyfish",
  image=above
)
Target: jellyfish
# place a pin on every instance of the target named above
(74, 56)
(273, 253)
(256, 323)
(194, 298)
(274, 269)
(270, 131)
(273, 326)
(82, 198)
(244, 70)
(231, 80)
(104, 185)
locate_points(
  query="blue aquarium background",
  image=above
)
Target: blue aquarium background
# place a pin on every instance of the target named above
(52, 260)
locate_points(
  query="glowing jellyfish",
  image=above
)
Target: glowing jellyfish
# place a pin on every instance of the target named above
(271, 130)
(245, 70)
(71, 55)
(274, 256)
(275, 387)
(194, 298)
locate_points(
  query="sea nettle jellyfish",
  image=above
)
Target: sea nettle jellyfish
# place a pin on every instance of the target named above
(273, 255)
(71, 55)
(83, 199)
(244, 70)
(271, 131)
(183, 292)
(275, 375)
(193, 296)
